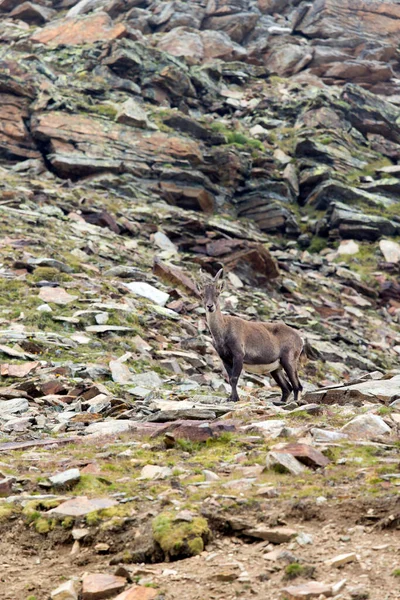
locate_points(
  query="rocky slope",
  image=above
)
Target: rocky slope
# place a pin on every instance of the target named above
(139, 143)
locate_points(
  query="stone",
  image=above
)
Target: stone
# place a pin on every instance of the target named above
(73, 31)
(96, 586)
(348, 247)
(45, 308)
(326, 435)
(272, 428)
(390, 251)
(155, 472)
(32, 13)
(366, 426)
(11, 407)
(341, 559)
(120, 372)
(284, 462)
(307, 455)
(131, 113)
(145, 290)
(210, 475)
(138, 592)
(56, 295)
(109, 427)
(149, 379)
(66, 591)
(6, 486)
(306, 591)
(378, 390)
(275, 535)
(81, 506)
(14, 370)
(183, 44)
(164, 243)
(65, 478)
(80, 534)
(107, 328)
(174, 276)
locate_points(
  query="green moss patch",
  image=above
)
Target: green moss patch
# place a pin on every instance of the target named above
(179, 539)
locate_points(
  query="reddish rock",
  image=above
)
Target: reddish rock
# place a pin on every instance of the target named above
(23, 370)
(174, 276)
(56, 295)
(94, 28)
(183, 44)
(112, 148)
(138, 592)
(307, 455)
(367, 21)
(15, 140)
(190, 197)
(97, 586)
(6, 487)
(253, 263)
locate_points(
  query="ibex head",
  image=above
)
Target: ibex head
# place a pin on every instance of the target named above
(210, 291)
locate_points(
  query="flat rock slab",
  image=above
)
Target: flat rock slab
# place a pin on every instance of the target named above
(145, 290)
(65, 478)
(155, 472)
(56, 295)
(66, 591)
(30, 444)
(110, 427)
(138, 592)
(305, 591)
(97, 586)
(11, 407)
(81, 506)
(12, 370)
(383, 390)
(307, 455)
(80, 30)
(284, 462)
(366, 427)
(275, 535)
(341, 559)
(188, 413)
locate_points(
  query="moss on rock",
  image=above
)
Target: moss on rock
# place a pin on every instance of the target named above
(179, 539)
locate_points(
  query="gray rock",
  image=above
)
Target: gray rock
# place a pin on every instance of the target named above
(109, 427)
(10, 407)
(284, 462)
(155, 472)
(273, 428)
(66, 591)
(366, 426)
(150, 380)
(210, 475)
(191, 414)
(80, 506)
(164, 243)
(145, 290)
(326, 435)
(65, 478)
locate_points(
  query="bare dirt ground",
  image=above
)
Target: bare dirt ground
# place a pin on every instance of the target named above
(230, 567)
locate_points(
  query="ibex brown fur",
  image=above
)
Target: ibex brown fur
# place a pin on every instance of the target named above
(260, 347)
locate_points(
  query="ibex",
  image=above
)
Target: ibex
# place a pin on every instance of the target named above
(259, 347)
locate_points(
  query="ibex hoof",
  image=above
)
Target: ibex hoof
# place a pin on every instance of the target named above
(232, 399)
